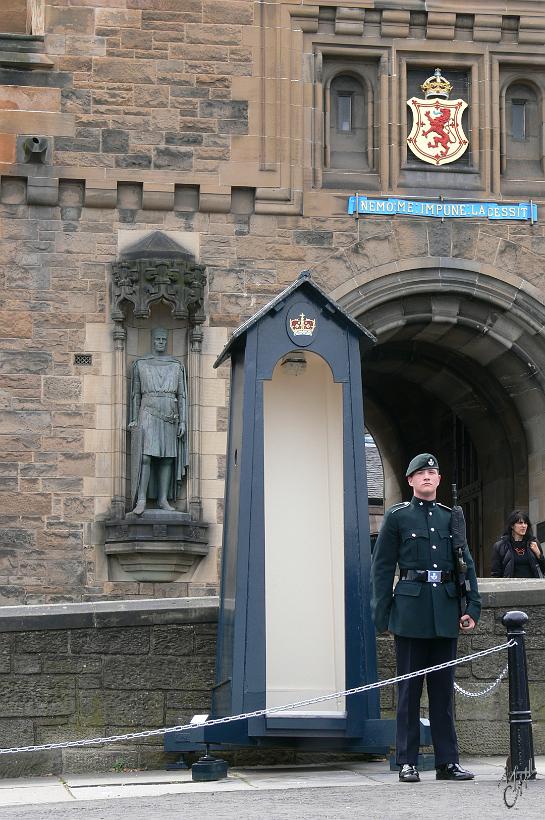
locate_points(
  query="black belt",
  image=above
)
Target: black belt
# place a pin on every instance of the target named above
(432, 576)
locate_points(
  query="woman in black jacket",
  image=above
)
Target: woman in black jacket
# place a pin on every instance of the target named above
(517, 554)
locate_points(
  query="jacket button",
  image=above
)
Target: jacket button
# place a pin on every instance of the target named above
(435, 566)
(432, 529)
(433, 547)
(434, 585)
(413, 535)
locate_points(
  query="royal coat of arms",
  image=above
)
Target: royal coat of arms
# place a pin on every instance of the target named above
(437, 135)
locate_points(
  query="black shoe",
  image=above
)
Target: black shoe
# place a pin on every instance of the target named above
(409, 774)
(453, 771)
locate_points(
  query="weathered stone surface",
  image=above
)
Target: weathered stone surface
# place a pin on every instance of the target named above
(123, 708)
(115, 140)
(28, 695)
(46, 641)
(163, 673)
(173, 640)
(116, 70)
(134, 641)
(12, 361)
(317, 238)
(62, 389)
(175, 158)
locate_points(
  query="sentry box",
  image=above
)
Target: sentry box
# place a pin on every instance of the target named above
(294, 620)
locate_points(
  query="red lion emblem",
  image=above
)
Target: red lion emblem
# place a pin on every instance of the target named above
(438, 127)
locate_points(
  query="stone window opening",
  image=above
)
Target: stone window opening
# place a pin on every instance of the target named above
(344, 111)
(348, 123)
(521, 113)
(518, 119)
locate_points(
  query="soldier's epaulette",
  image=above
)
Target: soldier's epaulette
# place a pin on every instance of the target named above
(399, 506)
(444, 506)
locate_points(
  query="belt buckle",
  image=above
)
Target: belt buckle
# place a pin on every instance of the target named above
(434, 576)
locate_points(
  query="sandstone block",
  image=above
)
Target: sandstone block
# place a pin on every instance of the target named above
(117, 70)
(7, 147)
(63, 20)
(115, 140)
(225, 34)
(172, 157)
(141, 160)
(62, 388)
(118, 18)
(37, 122)
(228, 11)
(16, 538)
(15, 324)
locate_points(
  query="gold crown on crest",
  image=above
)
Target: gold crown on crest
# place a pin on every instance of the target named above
(437, 86)
(302, 326)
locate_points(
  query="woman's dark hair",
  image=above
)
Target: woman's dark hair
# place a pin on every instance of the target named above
(514, 518)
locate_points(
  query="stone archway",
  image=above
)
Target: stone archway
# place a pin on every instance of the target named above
(460, 355)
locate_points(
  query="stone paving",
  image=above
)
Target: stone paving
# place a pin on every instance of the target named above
(335, 791)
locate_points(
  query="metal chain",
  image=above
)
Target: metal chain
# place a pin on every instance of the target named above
(258, 712)
(467, 694)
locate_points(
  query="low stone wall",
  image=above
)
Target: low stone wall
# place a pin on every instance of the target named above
(90, 670)
(483, 723)
(71, 671)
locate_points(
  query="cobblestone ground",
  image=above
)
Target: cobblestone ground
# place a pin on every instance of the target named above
(482, 800)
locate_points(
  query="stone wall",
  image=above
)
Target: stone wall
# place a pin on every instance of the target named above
(201, 119)
(91, 670)
(78, 671)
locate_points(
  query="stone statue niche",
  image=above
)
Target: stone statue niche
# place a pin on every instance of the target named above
(156, 530)
(158, 425)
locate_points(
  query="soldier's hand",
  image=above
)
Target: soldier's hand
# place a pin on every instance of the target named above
(132, 425)
(467, 623)
(181, 429)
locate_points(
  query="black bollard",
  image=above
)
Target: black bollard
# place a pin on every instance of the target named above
(520, 717)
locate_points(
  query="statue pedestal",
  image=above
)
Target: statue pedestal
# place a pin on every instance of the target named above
(157, 545)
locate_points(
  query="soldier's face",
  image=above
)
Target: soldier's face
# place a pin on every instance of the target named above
(425, 482)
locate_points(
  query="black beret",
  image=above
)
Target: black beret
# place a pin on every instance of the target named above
(420, 462)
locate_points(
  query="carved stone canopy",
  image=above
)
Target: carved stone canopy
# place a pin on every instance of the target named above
(157, 269)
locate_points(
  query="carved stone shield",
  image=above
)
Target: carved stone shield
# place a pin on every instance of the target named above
(437, 136)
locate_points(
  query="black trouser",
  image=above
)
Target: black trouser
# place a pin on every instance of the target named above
(418, 653)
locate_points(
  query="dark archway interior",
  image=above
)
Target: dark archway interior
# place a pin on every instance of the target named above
(429, 397)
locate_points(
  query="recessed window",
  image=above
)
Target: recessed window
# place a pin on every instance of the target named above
(522, 151)
(344, 111)
(348, 132)
(518, 119)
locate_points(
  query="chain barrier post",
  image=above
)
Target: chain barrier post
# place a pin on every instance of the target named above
(521, 760)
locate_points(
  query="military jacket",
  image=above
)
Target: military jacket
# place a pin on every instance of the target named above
(416, 535)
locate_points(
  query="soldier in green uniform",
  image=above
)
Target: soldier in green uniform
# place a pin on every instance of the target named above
(423, 613)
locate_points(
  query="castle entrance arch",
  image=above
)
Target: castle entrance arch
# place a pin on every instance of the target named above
(458, 370)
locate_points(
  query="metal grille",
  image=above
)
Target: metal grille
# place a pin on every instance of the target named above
(84, 359)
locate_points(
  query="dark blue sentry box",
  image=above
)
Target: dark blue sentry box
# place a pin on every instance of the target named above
(295, 618)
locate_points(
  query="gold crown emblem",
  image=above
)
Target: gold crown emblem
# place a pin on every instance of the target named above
(302, 326)
(437, 86)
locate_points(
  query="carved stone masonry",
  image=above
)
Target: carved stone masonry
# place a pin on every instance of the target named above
(158, 270)
(157, 546)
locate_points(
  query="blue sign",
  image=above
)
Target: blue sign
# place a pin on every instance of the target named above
(526, 211)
